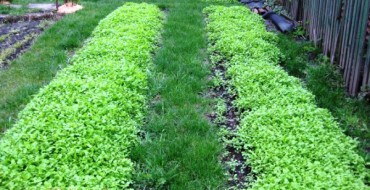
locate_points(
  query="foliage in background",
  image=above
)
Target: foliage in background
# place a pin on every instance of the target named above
(78, 131)
(290, 143)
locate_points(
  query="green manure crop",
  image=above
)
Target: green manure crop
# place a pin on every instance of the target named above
(290, 143)
(77, 132)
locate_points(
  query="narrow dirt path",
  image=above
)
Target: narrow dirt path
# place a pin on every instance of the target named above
(226, 117)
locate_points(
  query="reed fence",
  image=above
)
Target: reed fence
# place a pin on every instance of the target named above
(341, 28)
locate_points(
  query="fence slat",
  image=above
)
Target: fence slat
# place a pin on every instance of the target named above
(340, 28)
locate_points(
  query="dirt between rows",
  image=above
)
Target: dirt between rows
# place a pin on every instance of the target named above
(16, 37)
(235, 163)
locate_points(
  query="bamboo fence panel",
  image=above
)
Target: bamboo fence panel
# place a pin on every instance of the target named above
(342, 29)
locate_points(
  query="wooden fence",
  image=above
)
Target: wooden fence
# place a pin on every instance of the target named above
(342, 28)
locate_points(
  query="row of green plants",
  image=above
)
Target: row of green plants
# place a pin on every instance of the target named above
(287, 140)
(77, 132)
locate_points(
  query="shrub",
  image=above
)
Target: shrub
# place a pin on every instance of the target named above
(77, 132)
(290, 143)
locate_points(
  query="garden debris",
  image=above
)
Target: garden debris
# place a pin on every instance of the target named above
(254, 3)
(282, 22)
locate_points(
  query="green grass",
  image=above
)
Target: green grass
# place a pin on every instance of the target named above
(325, 81)
(49, 54)
(4, 9)
(180, 149)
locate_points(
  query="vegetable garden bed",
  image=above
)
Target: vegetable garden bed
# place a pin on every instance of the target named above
(78, 130)
(287, 141)
(115, 118)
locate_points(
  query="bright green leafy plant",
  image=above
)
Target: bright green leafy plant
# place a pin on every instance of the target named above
(78, 131)
(290, 143)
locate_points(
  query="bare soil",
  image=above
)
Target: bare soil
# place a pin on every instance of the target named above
(20, 34)
(238, 171)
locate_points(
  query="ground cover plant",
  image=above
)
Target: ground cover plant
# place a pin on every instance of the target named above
(78, 130)
(289, 142)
